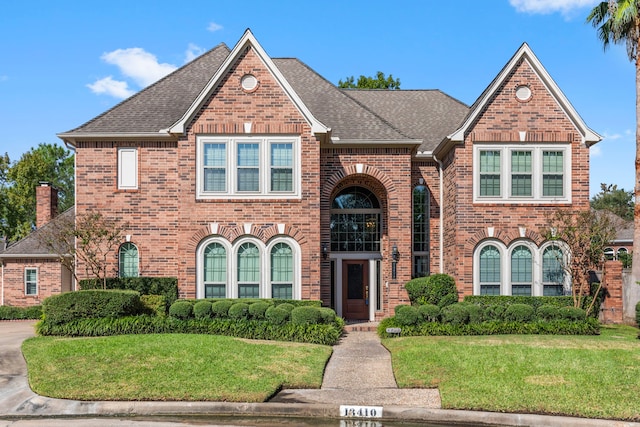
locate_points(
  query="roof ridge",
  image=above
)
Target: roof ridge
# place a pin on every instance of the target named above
(149, 87)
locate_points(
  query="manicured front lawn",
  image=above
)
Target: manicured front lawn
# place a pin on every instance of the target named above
(585, 376)
(170, 367)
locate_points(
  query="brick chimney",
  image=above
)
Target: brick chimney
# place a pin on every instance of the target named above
(46, 203)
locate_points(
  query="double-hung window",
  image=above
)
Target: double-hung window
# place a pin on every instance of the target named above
(522, 173)
(490, 275)
(215, 271)
(521, 271)
(31, 281)
(248, 167)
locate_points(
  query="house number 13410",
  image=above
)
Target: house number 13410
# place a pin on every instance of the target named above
(350, 411)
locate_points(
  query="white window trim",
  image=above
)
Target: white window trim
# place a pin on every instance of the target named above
(537, 286)
(265, 265)
(131, 183)
(265, 167)
(566, 260)
(505, 173)
(37, 280)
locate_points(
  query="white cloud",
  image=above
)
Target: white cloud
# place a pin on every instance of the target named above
(193, 51)
(213, 27)
(138, 64)
(108, 86)
(550, 6)
(612, 136)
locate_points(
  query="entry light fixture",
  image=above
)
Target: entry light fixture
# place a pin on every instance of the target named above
(325, 251)
(394, 253)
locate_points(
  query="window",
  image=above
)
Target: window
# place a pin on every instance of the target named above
(355, 221)
(248, 271)
(127, 168)
(281, 271)
(552, 272)
(215, 271)
(490, 173)
(521, 271)
(128, 260)
(248, 167)
(490, 271)
(609, 254)
(533, 174)
(31, 281)
(421, 207)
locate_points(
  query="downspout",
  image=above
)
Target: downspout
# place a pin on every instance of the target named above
(2, 280)
(441, 192)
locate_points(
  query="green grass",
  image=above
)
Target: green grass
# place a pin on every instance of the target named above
(170, 367)
(584, 376)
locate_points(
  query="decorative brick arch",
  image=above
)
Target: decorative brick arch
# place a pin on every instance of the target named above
(339, 180)
(261, 232)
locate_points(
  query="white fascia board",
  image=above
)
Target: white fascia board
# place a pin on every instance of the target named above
(32, 256)
(71, 138)
(589, 136)
(338, 141)
(248, 39)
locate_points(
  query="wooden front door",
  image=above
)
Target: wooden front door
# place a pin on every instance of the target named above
(355, 289)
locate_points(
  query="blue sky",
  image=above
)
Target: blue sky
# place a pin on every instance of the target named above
(65, 62)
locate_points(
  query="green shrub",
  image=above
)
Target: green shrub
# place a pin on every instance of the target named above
(438, 289)
(91, 303)
(638, 313)
(407, 315)
(493, 312)
(154, 304)
(305, 315)
(398, 308)
(220, 308)
(167, 286)
(572, 313)
(258, 309)
(548, 312)
(202, 310)
(455, 314)
(181, 309)
(8, 312)
(429, 312)
(276, 315)
(286, 306)
(327, 315)
(519, 313)
(476, 313)
(239, 310)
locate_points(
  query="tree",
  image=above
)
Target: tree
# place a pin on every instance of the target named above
(615, 200)
(585, 234)
(618, 21)
(377, 82)
(87, 241)
(18, 182)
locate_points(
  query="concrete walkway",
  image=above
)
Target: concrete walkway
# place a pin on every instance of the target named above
(359, 373)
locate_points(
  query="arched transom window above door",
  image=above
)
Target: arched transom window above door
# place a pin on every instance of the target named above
(356, 221)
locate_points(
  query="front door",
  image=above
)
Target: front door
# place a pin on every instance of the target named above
(355, 289)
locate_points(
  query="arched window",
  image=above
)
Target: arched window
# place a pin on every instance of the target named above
(215, 271)
(421, 203)
(553, 273)
(355, 221)
(248, 271)
(128, 260)
(609, 254)
(521, 271)
(489, 270)
(281, 271)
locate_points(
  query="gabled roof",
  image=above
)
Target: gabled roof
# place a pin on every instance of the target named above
(32, 246)
(525, 53)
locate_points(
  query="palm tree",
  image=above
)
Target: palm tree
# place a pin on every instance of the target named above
(618, 21)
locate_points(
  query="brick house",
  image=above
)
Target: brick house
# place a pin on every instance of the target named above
(249, 176)
(29, 271)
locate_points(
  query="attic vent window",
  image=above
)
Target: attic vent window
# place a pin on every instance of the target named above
(249, 82)
(523, 93)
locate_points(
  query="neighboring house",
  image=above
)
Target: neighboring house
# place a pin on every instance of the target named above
(622, 244)
(249, 176)
(30, 272)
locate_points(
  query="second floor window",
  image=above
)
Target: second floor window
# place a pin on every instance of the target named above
(248, 167)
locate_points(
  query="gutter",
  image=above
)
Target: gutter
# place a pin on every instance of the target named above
(441, 193)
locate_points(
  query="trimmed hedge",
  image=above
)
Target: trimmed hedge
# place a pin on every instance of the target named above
(437, 289)
(326, 334)
(8, 312)
(154, 304)
(306, 315)
(588, 326)
(91, 304)
(167, 286)
(407, 315)
(486, 301)
(638, 313)
(239, 310)
(202, 310)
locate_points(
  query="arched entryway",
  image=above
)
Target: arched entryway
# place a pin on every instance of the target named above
(356, 235)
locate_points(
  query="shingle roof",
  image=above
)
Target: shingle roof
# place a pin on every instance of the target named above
(32, 245)
(358, 115)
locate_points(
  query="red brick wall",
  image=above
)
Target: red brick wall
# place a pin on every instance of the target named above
(46, 204)
(50, 280)
(503, 118)
(612, 310)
